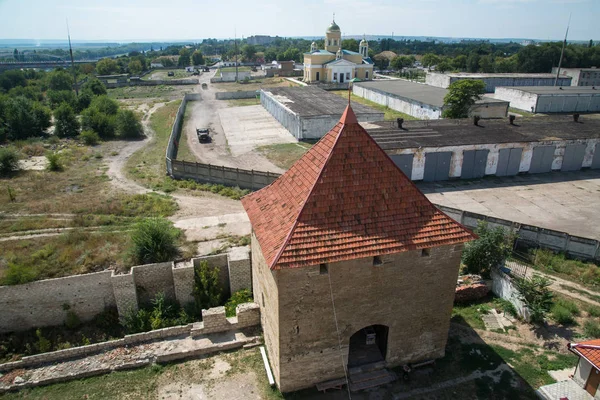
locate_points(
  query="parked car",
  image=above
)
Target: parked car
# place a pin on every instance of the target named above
(171, 73)
(204, 86)
(203, 135)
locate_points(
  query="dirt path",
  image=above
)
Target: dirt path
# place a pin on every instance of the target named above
(206, 113)
(556, 287)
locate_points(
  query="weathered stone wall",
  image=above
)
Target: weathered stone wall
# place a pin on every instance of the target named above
(45, 303)
(152, 279)
(409, 293)
(264, 288)
(245, 94)
(240, 269)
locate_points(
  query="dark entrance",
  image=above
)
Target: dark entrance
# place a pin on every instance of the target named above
(368, 346)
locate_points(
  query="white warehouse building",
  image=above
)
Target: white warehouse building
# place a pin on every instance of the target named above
(552, 99)
(497, 79)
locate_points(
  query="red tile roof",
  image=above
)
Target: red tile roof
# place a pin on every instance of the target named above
(345, 199)
(590, 350)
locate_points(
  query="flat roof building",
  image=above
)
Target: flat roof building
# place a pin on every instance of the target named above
(581, 76)
(420, 100)
(497, 79)
(310, 112)
(552, 99)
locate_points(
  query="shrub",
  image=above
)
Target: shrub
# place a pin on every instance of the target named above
(101, 123)
(9, 160)
(561, 315)
(129, 125)
(54, 162)
(569, 305)
(66, 123)
(207, 290)
(17, 274)
(89, 137)
(43, 344)
(535, 293)
(506, 306)
(591, 329)
(136, 321)
(239, 297)
(489, 250)
(105, 105)
(593, 311)
(72, 321)
(154, 240)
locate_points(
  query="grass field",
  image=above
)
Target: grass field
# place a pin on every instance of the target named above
(389, 114)
(285, 154)
(243, 102)
(148, 92)
(184, 152)
(232, 69)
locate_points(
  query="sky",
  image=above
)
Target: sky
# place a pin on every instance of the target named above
(148, 20)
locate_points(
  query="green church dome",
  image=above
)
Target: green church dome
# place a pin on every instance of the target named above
(333, 27)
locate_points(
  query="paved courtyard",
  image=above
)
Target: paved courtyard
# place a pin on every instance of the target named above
(252, 126)
(563, 201)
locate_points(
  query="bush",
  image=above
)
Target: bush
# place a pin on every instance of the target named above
(586, 273)
(43, 344)
(17, 274)
(489, 250)
(72, 321)
(161, 313)
(561, 315)
(154, 240)
(101, 123)
(54, 162)
(129, 125)
(591, 329)
(239, 297)
(593, 311)
(65, 121)
(105, 105)
(136, 321)
(535, 293)
(9, 160)
(506, 306)
(568, 305)
(207, 290)
(90, 138)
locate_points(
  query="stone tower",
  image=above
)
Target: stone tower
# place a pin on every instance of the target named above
(363, 48)
(333, 37)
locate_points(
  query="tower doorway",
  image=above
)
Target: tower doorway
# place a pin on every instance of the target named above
(368, 346)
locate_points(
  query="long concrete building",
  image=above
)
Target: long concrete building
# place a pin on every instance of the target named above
(552, 99)
(497, 79)
(309, 112)
(581, 76)
(420, 100)
(445, 149)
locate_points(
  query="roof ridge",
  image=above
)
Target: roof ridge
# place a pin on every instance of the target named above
(290, 233)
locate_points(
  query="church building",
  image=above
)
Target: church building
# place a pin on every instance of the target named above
(352, 266)
(332, 64)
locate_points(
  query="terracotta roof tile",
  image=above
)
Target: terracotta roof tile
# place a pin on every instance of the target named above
(345, 199)
(590, 350)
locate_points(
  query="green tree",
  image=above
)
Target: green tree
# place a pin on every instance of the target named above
(350, 44)
(248, 51)
(429, 60)
(24, 118)
(101, 123)
(488, 251)
(400, 62)
(96, 87)
(536, 294)
(184, 58)
(11, 79)
(135, 67)
(106, 105)
(57, 97)
(485, 64)
(443, 66)
(129, 125)
(270, 55)
(197, 58)
(207, 290)
(9, 160)
(473, 62)
(462, 94)
(107, 66)
(154, 240)
(60, 80)
(504, 65)
(460, 62)
(65, 121)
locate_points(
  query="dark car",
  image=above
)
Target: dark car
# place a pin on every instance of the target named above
(171, 73)
(203, 135)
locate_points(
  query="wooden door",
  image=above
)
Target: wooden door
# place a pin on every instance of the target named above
(592, 383)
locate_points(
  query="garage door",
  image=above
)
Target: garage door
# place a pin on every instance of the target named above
(437, 166)
(573, 158)
(596, 159)
(541, 161)
(404, 162)
(509, 161)
(474, 162)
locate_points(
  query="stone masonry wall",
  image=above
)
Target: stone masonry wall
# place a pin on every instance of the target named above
(410, 293)
(45, 303)
(240, 269)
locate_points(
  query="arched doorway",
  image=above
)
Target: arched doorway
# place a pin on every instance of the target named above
(368, 346)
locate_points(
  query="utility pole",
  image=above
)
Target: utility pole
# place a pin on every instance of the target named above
(72, 62)
(562, 52)
(236, 54)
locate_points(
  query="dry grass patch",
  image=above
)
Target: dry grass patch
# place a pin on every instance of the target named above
(254, 84)
(284, 154)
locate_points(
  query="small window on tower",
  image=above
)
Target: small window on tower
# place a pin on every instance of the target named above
(377, 261)
(425, 252)
(323, 269)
